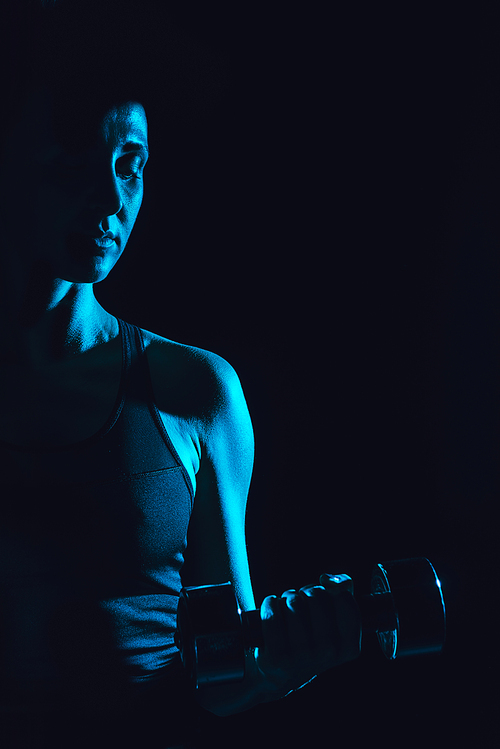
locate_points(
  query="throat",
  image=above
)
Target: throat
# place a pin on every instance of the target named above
(68, 323)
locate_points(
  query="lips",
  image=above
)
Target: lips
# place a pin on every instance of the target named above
(105, 241)
(107, 235)
(98, 234)
(84, 243)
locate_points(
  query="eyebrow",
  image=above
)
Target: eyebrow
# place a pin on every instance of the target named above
(133, 146)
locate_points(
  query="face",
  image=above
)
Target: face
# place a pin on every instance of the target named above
(72, 209)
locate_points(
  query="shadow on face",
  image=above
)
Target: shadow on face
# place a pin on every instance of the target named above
(78, 172)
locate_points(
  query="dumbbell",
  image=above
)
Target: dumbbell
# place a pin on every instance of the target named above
(405, 609)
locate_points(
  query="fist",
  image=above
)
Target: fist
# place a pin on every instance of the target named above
(307, 632)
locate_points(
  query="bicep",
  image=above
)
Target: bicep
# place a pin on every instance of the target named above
(216, 551)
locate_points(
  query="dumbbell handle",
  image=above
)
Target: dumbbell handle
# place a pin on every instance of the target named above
(378, 614)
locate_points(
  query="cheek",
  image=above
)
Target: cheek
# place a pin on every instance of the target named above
(131, 207)
(55, 209)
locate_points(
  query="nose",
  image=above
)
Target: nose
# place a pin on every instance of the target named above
(105, 197)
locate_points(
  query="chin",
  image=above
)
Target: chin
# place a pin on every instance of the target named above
(87, 263)
(93, 271)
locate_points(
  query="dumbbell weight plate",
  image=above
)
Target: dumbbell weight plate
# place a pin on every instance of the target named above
(419, 606)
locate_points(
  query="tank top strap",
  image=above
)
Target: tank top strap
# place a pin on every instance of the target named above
(132, 371)
(139, 414)
(135, 367)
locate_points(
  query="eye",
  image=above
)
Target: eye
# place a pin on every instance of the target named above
(129, 168)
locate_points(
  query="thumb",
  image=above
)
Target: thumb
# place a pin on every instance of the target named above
(336, 583)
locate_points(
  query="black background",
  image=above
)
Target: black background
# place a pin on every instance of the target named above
(320, 229)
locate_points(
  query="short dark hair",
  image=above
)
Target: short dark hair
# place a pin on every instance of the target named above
(93, 54)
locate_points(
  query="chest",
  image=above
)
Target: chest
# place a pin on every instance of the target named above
(55, 408)
(60, 409)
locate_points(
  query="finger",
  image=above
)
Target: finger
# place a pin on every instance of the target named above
(274, 628)
(299, 626)
(310, 586)
(322, 608)
(312, 589)
(336, 619)
(337, 583)
(340, 588)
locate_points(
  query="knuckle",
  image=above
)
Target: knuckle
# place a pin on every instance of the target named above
(337, 583)
(312, 590)
(267, 608)
(292, 600)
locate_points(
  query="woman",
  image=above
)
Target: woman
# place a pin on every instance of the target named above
(126, 457)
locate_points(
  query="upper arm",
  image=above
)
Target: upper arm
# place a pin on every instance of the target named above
(216, 549)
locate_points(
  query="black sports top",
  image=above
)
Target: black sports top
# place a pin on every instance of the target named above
(92, 541)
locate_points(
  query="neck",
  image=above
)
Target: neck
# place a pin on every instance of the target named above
(50, 321)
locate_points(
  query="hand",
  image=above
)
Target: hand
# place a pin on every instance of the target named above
(308, 631)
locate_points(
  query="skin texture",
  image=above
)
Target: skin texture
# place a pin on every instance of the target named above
(60, 364)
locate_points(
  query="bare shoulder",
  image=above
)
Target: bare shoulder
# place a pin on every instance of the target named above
(188, 381)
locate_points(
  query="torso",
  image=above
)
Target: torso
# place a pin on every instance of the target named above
(72, 401)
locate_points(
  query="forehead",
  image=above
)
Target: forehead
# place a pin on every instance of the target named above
(124, 123)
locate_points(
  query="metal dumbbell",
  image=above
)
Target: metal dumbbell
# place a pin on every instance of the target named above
(405, 609)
